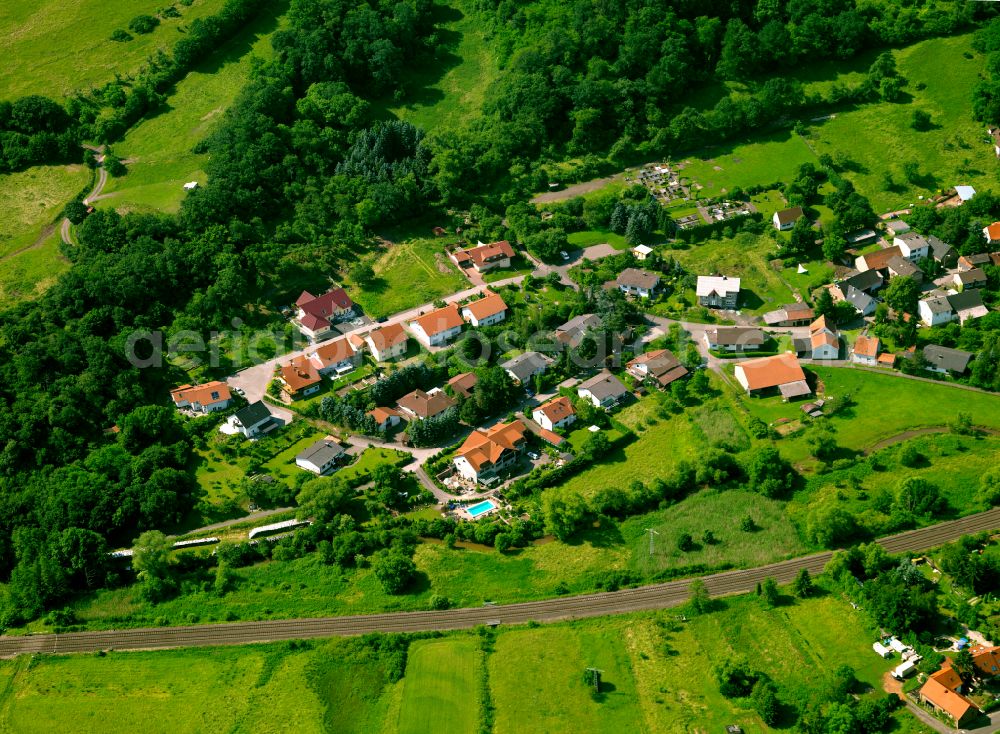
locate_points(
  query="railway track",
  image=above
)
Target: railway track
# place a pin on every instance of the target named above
(657, 596)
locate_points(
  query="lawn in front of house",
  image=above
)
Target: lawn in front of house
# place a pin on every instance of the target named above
(407, 274)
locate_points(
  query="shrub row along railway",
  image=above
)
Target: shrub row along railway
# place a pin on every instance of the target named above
(658, 596)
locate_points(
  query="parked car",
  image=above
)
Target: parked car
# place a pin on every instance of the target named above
(533, 456)
(564, 255)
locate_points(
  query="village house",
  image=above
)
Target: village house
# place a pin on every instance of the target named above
(387, 342)
(992, 234)
(868, 281)
(861, 238)
(970, 262)
(935, 310)
(437, 327)
(487, 453)
(794, 314)
(635, 282)
(463, 384)
(315, 313)
(785, 219)
(866, 350)
(572, 332)
(878, 260)
(252, 420)
(945, 360)
(420, 405)
(966, 305)
(975, 278)
(557, 413)
(900, 267)
(945, 691)
(206, 398)
(781, 372)
(824, 341)
(896, 227)
(659, 367)
(864, 304)
(321, 457)
(641, 252)
(488, 310)
(604, 390)
(942, 252)
(299, 378)
(914, 247)
(484, 258)
(718, 291)
(386, 418)
(336, 358)
(733, 338)
(524, 367)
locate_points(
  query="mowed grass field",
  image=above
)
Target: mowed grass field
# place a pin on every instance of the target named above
(57, 47)
(258, 688)
(762, 288)
(29, 238)
(452, 95)
(160, 149)
(759, 161)
(408, 274)
(884, 406)
(441, 687)
(941, 74)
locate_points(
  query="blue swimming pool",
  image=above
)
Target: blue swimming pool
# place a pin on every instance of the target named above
(480, 508)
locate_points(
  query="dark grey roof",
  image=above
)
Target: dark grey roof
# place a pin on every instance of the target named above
(745, 335)
(635, 278)
(975, 275)
(939, 248)
(252, 414)
(604, 385)
(789, 215)
(581, 323)
(525, 365)
(966, 300)
(859, 299)
(902, 266)
(953, 360)
(866, 281)
(938, 304)
(321, 452)
(802, 344)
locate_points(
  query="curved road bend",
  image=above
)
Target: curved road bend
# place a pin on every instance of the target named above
(658, 596)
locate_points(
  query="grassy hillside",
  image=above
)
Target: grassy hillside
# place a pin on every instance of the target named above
(941, 74)
(449, 91)
(159, 149)
(29, 238)
(55, 47)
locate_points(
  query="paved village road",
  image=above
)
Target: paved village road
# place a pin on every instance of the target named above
(658, 596)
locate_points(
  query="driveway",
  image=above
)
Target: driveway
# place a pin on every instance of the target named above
(594, 252)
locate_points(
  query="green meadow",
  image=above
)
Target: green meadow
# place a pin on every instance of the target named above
(159, 150)
(57, 47)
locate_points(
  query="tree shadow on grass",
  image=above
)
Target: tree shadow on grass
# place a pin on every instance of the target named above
(749, 300)
(606, 534)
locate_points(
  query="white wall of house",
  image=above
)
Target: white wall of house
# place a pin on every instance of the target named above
(310, 466)
(543, 420)
(434, 340)
(488, 321)
(503, 262)
(912, 254)
(716, 301)
(464, 468)
(865, 360)
(825, 351)
(742, 378)
(931, 318)
(393, 352)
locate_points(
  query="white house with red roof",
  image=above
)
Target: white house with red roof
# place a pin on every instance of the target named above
(992, 233)
(336, 357)
(488, 310)
(207, 398)
(484, 258)
(486, 453)
(316, 314)
(437, 327)
(387, 342)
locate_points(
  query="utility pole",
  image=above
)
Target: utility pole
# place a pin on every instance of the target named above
(651, 534)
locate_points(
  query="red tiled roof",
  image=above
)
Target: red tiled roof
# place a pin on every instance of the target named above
(381, 415)
(318, 309)
(483, 448)
(440, 320)
(299, 374)
(485, 253)
(879, 260)
(952, 703)
(867, 346)
(387, 337)
(771, 371)
(426, 405)
(207, 394)
(333, 353)
(557, 409)
(463, 383)
(489, 305)
(994, 231)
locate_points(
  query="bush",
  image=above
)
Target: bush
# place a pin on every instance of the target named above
(143, 24)
(121, 35)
